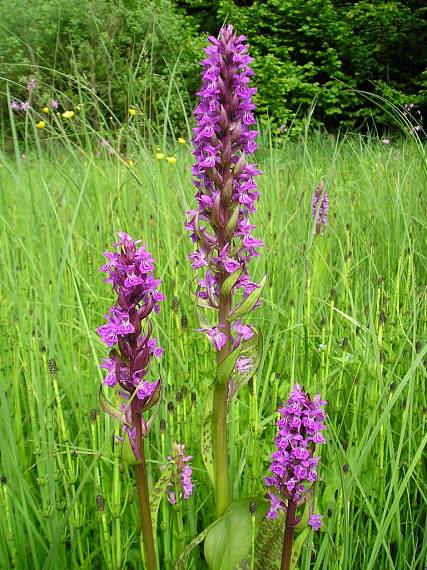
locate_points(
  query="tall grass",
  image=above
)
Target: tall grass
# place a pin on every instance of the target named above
(344, 313)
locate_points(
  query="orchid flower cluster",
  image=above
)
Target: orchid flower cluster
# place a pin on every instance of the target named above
(225, 180)
(221, 229)
(294, 466)
(320, 206)
(131, 274)
(181, 479)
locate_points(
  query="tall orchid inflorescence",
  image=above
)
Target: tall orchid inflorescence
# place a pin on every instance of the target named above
(181, 485)
(128, 334)
(225, 181)
(131, 274)
(320, 207)
(220, 227)
(294, 465)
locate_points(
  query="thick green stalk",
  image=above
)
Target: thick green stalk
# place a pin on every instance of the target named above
(143, 494)
(220, 448)
(220, 452)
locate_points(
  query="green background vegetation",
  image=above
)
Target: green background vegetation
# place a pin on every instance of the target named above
(343, 313)
(318, 51)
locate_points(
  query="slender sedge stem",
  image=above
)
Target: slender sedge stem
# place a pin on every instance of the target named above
(143, 493)
(288, 537)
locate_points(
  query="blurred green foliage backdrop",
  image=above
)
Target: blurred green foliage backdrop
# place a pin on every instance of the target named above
(146, 53)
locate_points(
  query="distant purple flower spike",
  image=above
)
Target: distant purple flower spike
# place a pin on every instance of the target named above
(182, 476)
(293, 466)
(130, 272)
(54, 103)
(225, 182)
(31, 85)
(23, 106)
(320, 207)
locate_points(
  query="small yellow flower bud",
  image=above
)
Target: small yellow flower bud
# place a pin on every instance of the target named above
(68, 114)
(171, 159)
(160, 156)
(129, 162)
(41, 125)
(46, 110)
(132, 112)
(181, 140)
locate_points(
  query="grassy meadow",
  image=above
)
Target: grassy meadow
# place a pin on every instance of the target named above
(343, 313)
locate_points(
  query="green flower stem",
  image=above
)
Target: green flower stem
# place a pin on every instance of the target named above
(220, 454)
(143, 493)
(288, 537)
(219, 435)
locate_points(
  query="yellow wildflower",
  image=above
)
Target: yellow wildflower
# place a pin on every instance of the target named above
(46, 110)
(68, 114)
(132, 112)
(160, 156)
(181, 140)
(171, 159)
(41, 125)
(129, 162)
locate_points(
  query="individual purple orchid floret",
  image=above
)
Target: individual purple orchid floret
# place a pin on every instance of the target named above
(181, 478)
(315, 521)
(127, 333)
(294, 466)
(225, 181)
(320, 207)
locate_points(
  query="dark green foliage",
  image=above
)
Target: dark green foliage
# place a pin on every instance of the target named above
(108, 54)
(316, 55)
(324, 49)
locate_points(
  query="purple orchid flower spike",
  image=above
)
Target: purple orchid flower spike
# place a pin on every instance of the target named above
(294, 465)
(181, 485)
(320, 207)
(127, 333)
(226, 195)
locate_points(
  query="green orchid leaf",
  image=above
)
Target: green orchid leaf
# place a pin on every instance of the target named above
(269, 543)
(297, 547)
(123, 450)
(231, 225)
(158, 492)
(304, 519)
(231, 281)
(181, 563)
(206, 440)
(109, 409)
(226, 367)
(154, 409)
(228, 542)
(252, 348)
(249, 303)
